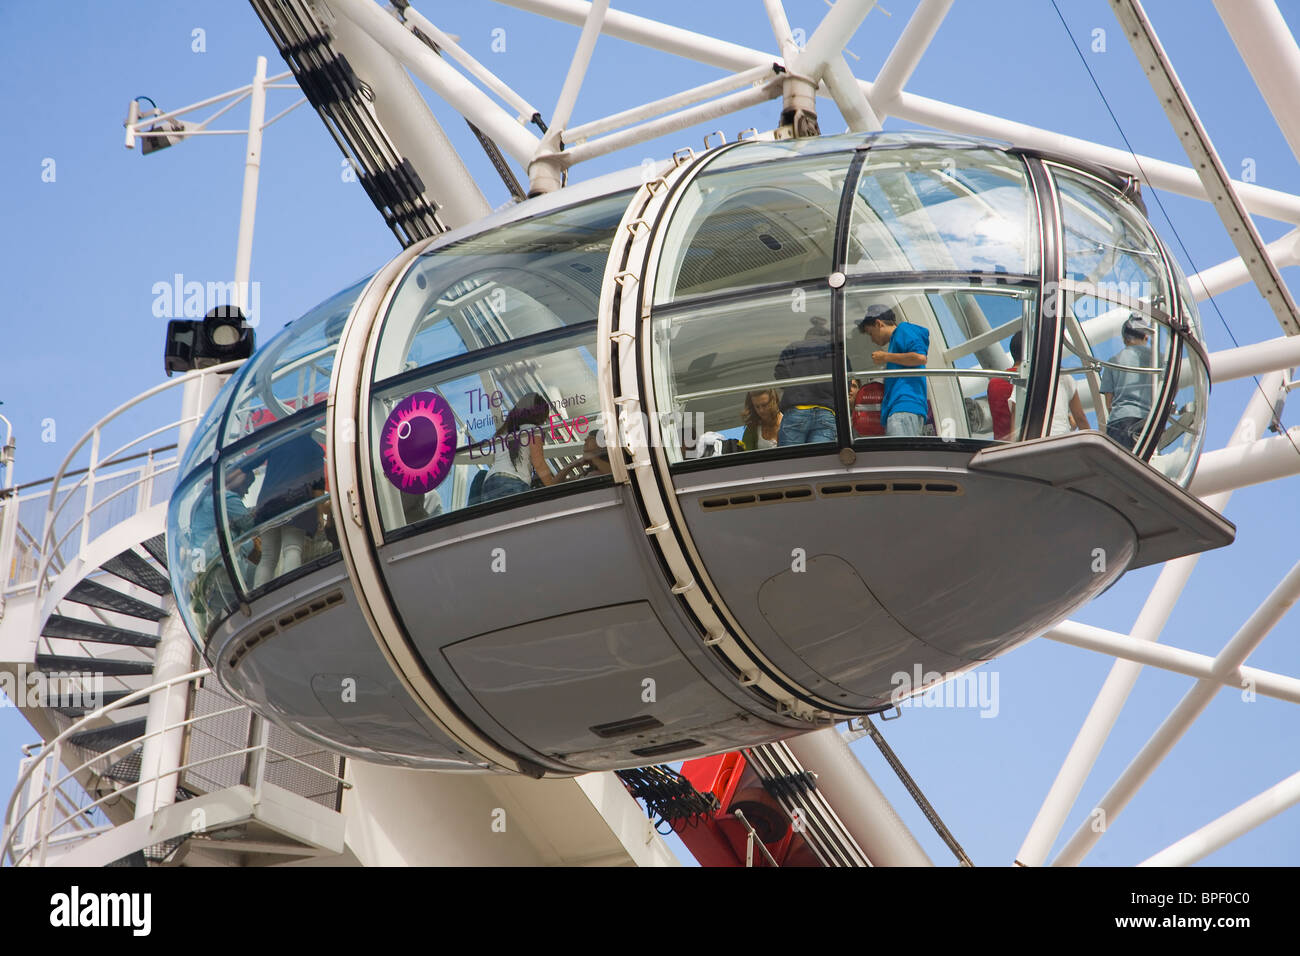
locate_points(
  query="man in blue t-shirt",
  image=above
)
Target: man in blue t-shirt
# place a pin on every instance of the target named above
(904, 345)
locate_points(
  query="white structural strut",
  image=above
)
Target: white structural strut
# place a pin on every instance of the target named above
(1200, 150)
(1176, 659)
(1266, 616)
(462, 95)
(1160, 174)
(734, 102)
(248, 200)
(578, 65)
(906, 54)
(1213, 836)
(1271, 355)
(698, 94)
(476, 69)
(546, 171)
(416, 134)
(160, 755)
(1239, 466)
(850, 98)
(1227, 275)
(832, 34)
(1265, 43)
(1123, 674)
(858, 802)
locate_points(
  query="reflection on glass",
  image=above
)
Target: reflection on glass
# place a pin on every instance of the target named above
(909, 346)
(927, 209)
(522, 279)
(274, 504)
(292, 371)
(1120, 358)
(204, 596)
(1180, 442)
(204, 441)
(1108, 242)
(488, 427)
(745, 375)
(752, 227)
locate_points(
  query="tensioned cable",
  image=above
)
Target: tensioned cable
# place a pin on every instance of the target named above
(1276, 422)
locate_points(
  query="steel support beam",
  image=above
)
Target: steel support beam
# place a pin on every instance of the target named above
(1205, 160)
(1176, 659)
(1194, 702)
(1123, 675)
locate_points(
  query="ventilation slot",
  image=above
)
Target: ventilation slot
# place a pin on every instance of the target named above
(770, 496)
(621, 728)
(283, 623)
(667, 748)
(839, 490)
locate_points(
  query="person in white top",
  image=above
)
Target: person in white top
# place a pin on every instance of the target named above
(518, 450)
(1067, 412)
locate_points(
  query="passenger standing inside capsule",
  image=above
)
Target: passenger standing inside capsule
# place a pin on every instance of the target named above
(807, 410)
(513, 467)
(1067, 412)
(1128, 394)
(904, 345)
(762, 419)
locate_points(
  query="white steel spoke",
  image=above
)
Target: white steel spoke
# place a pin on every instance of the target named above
(1218, 834)
(1124, 674)
(1174, 659)
(1269, 613)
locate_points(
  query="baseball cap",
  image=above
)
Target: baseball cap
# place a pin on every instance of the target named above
(1134, 326)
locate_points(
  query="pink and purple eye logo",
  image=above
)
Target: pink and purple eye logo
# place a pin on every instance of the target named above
(418, 442)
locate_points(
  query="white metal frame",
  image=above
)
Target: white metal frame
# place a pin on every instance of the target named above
(1273, 58)
(754, 76)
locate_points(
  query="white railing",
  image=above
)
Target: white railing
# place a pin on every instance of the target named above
(62, 818)
(56, 534)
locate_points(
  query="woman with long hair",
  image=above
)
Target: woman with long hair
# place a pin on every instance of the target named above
(762, 419)
(517, 445)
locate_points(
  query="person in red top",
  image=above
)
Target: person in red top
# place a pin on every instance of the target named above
(1000, 390)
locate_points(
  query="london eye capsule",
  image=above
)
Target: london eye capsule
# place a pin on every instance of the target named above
(637, 471)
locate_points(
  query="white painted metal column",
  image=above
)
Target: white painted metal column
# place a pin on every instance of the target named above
(856, 799)
(1124, 674)
(248, 201)
(1171, 730)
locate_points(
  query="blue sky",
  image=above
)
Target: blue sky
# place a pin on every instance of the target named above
(81, 256)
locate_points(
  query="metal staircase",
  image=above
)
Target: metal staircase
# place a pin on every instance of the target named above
(84, 604)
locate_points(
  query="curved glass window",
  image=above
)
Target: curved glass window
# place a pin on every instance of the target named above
(753, 226)
(973, 379)
(1191, 312)
(204, 593)
(275, 508)
(485, 373)
(292, 371)
(204, 440)
(927, 209)
(745, 374)
(1108, 243)
(1184, 433)
(519, 280)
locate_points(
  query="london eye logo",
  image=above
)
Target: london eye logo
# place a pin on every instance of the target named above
(418, 442)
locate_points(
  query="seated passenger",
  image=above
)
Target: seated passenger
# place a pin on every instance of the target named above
(903, 345)
(762, 419)
(512, 468)
(807, 410)
(594, 461)
(295, 476)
